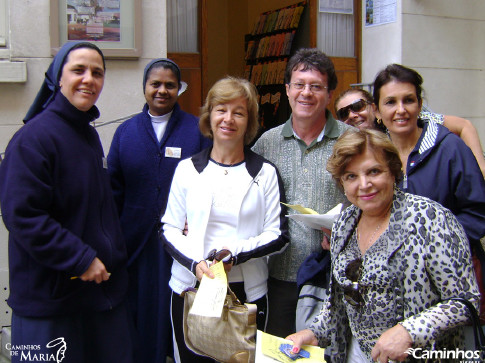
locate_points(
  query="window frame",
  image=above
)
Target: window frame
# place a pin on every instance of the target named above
(3, 25)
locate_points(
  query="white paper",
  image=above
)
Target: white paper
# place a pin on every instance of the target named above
(336, 6)
(378, 12)
(209, 300)
(260, 357)
(317, 221)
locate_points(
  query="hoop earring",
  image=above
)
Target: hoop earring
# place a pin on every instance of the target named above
(379, 121)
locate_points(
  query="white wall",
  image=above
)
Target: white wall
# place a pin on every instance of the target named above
(443, 41)
(381, 45)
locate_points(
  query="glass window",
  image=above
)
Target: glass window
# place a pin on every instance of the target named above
(182, 26)
(335, 34)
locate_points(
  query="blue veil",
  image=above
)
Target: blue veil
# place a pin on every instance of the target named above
(50, 86)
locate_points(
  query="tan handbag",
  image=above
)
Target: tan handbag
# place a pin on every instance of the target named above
(229, 338)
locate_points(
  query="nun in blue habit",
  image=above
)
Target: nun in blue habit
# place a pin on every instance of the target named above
(141, 161)
(67, 257)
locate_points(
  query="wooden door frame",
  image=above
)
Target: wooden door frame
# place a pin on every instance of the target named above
(203, 42)
(198, 58)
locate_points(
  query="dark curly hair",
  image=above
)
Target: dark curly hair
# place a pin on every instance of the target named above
(312, 58)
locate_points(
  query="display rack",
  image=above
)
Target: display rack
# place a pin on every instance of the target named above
(267, 50)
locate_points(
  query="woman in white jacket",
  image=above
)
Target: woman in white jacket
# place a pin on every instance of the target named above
(229, 197)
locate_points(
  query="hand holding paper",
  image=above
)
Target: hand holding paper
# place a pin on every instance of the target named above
(211, 294)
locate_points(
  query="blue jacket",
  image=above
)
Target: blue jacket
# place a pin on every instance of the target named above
(58, 207)
(141, 171)
(442, 168)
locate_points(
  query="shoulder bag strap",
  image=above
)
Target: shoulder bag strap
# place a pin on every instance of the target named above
(477, 329)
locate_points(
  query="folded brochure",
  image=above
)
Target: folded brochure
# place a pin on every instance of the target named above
(312, 219)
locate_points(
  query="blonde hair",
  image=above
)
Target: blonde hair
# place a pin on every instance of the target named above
(225, 90)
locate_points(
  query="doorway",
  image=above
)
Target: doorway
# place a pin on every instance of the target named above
(230, 57)
(187, 46)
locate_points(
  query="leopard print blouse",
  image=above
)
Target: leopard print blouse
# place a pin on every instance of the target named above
(422, 259)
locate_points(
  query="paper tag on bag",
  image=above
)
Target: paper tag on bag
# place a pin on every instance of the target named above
(210, 297)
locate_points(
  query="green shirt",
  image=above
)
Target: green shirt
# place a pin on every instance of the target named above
(306, 182)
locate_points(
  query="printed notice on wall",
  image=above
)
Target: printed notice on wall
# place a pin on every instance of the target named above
(378, 12)
(336, 6)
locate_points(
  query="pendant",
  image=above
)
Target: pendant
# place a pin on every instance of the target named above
(225, 172)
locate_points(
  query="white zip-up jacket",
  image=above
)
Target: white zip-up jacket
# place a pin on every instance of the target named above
(260, 233)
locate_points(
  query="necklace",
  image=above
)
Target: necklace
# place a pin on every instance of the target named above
(225, 166)
(371, 238)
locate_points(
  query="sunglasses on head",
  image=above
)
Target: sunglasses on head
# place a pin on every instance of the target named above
(352, 294)
(222, 255)
(356, 106)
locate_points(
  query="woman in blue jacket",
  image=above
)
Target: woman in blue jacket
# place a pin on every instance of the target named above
(67, 258)
(436, 163)
(144, 153)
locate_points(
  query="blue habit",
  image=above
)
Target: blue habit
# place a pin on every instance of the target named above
(141, 170)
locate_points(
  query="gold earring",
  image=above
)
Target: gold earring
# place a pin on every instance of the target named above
(379, 121)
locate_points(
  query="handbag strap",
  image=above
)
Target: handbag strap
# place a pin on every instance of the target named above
(233, 295)
(477, 329)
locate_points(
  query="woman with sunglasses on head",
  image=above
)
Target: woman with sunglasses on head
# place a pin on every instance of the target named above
(356, 107)
(396, 259)
(230, 199)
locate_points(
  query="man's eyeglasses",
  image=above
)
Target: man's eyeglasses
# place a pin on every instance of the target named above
(356, 106)
(352, 293)
(222, 255)
(314, 88)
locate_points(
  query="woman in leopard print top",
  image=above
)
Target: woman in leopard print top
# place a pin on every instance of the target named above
(396, 259)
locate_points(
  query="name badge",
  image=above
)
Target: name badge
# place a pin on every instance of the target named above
(173, 152)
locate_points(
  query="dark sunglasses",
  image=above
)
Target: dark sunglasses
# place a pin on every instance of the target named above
(222, 255)
(356, 106)
(352, 293)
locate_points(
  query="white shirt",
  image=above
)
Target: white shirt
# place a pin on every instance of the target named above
(228, 191)
(159, 124)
